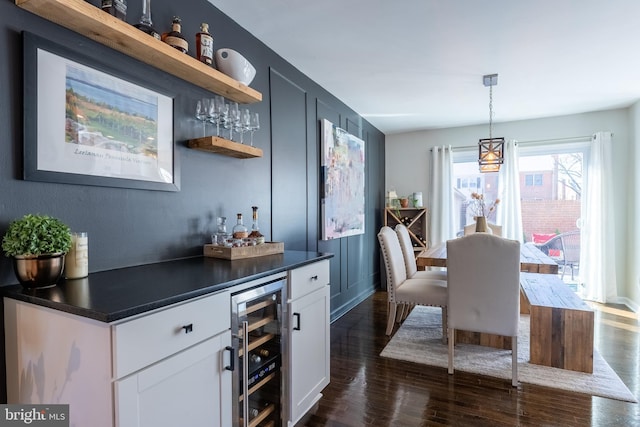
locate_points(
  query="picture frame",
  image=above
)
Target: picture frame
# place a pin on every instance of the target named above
(87, 123)
(343, 182)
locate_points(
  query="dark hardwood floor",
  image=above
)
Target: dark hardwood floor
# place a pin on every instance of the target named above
(368, 390)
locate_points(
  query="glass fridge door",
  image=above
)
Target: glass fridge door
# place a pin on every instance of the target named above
(257, 328)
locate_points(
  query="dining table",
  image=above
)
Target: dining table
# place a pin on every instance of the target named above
(532, 259)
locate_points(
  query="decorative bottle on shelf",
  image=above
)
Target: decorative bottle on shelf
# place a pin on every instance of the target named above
(145, 24)
(175, 38)
(255, 230)
(117, 8)
(204, 45)
(239, 230)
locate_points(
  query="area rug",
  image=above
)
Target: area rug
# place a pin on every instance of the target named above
(419, 340)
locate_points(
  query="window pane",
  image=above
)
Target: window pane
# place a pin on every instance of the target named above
(472, 181)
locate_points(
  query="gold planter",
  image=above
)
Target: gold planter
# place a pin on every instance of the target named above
(38, 271)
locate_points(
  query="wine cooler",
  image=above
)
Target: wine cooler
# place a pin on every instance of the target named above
(258, 385)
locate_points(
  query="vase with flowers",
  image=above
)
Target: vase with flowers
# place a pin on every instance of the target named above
(480, 209)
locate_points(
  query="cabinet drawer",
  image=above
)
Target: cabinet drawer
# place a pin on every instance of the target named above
(147, 339)
(308, 278)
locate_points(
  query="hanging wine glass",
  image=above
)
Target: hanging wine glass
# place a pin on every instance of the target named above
(234, 118)
(201, 114)
(254, 124)
(212, 115)
(224, 115)
(245, 123)
(220, 108)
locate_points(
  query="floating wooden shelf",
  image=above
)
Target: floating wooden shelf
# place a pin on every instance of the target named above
(225, 147)
(92, 22)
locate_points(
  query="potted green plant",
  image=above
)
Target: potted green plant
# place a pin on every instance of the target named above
(37, 244)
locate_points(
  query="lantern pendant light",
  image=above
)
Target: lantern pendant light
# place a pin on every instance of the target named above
(490, 150)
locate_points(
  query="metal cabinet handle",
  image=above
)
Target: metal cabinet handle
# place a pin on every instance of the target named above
(232, 355)
(188, 328)
(297, 316)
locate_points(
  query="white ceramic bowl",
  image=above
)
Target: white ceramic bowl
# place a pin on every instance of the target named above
(234, 65)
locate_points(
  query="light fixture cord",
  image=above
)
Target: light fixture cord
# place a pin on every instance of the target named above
(491, 113)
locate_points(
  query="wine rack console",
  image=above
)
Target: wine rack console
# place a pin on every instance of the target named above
(256, 329)
(415, 219)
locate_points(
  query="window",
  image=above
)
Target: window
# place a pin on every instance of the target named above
(531, 180)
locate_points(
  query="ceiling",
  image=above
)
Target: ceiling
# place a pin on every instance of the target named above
(410, 65)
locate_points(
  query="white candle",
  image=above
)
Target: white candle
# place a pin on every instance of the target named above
(76, 263)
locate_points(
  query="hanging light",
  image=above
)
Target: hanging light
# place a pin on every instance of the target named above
(490, 150)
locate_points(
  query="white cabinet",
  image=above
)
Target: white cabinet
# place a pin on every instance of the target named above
(308, 337)
(163, 368)
(181, 390)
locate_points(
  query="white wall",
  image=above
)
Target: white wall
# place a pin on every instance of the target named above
(407, 167)
(633, 241)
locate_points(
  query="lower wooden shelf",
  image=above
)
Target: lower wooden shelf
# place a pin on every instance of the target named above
(225, 147)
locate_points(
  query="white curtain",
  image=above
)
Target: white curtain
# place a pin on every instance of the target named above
(509, 213)
(597, 249)
(441, 195)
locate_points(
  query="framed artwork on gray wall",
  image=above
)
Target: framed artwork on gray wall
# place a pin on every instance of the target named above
(87, 123)
(342, 177)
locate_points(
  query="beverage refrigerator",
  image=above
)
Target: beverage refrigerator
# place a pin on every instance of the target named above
(258, 342)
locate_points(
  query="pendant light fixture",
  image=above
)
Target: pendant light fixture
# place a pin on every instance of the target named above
(490, 150)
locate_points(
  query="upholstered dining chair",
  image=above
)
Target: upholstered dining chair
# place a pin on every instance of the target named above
(484, 290)
(496, 230)
(410, 257)
(402, 290)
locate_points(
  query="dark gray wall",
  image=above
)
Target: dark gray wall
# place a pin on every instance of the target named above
(131, 227)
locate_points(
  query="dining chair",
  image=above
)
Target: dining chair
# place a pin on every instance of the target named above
(402, 290)
(484, 290)
(563, 248)
(410, 258)
(496, 230)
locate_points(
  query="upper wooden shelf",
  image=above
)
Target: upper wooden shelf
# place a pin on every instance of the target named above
(92, 22)
(224, 146)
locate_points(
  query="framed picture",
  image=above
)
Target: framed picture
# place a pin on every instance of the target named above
(343, 183)
(85, 123)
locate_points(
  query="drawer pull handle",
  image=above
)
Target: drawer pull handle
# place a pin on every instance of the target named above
(232, 356)
(188, 328)
(297, 316)
(313, 278)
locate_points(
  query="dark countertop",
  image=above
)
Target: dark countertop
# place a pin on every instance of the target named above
(112, 295)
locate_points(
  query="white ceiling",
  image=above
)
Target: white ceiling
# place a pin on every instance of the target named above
(408, 65)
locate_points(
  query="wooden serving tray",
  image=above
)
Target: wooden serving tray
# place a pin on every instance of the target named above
(267, 248)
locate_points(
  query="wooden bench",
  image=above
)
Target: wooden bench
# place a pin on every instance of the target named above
(561, 323)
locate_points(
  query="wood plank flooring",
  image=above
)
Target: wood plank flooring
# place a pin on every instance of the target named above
(367, 390)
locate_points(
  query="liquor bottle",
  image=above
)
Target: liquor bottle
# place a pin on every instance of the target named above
(239, 230)
(117, 8)
(204, 45)
(145, 24)
(255, 230)
(174, 37)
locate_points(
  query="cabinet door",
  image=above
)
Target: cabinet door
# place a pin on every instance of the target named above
(191, 388)
(309, 326)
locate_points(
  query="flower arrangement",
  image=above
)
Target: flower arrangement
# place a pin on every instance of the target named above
(479, 207)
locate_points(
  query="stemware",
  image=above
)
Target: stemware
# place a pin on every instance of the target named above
(202, 107)
(245, 123)
(220, 109)
(224, 115)
(234, 118)
(254, 125)
(212, 114)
